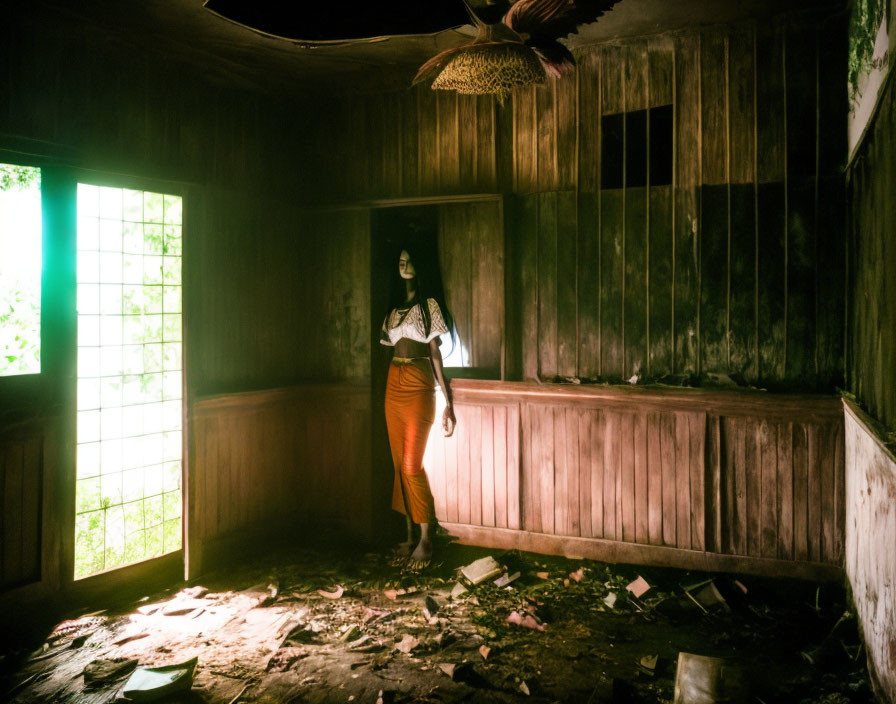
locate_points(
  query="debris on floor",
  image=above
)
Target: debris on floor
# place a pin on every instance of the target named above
(332, 625)
(481, 570)
(154, 683)
(700, 679)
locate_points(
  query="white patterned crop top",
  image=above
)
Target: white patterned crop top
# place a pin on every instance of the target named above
(409, 324)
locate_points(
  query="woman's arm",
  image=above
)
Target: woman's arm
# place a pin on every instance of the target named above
(435, 356)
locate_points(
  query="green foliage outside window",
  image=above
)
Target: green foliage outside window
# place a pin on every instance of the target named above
(864, 23)
(128, 493)
(20, 269)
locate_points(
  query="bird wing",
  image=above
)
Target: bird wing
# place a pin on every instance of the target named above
(555, 57)
(553, 19)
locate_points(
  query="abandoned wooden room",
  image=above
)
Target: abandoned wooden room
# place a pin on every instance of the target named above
(490, 351)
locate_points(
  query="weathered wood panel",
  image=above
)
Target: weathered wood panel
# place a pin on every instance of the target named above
(870, 548)
(725, 473)
(297, 454)
(872, 256)
(719, 271)
(21, 490)
(275, 336)
(471, 250)
(484, 455)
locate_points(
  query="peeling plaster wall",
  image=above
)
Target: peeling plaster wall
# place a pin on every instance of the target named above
(871, 545)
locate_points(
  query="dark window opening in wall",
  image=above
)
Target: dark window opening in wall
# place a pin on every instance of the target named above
(660, 128)
(636, 148)
(612, 150)
(625, 157)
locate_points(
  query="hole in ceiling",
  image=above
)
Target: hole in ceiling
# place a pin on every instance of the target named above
(334, 21)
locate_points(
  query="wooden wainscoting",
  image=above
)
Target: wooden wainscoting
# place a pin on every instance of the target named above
(263, 461)
(21, 494)
(733, 480)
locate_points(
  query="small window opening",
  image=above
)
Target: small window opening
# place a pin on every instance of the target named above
(625, 157)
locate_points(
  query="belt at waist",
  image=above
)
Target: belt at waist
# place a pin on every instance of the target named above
(407, 360)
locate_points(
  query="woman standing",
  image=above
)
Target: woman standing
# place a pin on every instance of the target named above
(417, 318)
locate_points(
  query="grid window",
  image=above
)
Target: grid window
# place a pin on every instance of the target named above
(130, 354)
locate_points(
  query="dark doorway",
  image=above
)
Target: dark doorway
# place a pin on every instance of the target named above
(389, 227)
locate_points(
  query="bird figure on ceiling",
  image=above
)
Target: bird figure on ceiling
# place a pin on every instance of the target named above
(516, 44)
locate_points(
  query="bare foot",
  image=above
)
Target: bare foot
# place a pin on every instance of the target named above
(401, 552)
(421, 557)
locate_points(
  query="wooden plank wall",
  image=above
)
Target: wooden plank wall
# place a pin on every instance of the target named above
(128, 111)
(471, 253)
(290, 302)
(872, 255)
(729, 474)
(21, 499)
(871, 544)
(735, 267)
(279, 458)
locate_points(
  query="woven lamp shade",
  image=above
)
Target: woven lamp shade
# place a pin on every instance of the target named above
(478, 70)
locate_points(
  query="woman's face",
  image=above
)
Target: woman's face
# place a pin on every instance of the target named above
(406, 266)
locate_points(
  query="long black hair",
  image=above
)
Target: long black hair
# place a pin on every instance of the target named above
(424, 255)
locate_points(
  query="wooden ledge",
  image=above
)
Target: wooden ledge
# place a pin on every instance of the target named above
(872, 427)
(728, 402)
(638, 554)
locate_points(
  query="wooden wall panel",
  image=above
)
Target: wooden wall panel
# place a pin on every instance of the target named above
(725, 473)
(471, 249)
(588, 108)
(872, 255)
(870, 557)
(277, 337)
(686, 217)
(271, 457)
(475, 473)
(718, 272)
(21, 499)
(124, 110)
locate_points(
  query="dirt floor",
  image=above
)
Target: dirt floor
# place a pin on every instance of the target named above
(332, 626)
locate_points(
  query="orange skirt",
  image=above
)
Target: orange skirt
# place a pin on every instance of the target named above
(410, 412)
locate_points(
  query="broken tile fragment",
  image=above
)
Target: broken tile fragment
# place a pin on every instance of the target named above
(457, 590)
(707, 596)
(407, 644)
(639, 587)
(394, 594)
(481, 570)
(448, 668)
(578, 575)
(525, 620)
(484, 650)
(506, 579)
